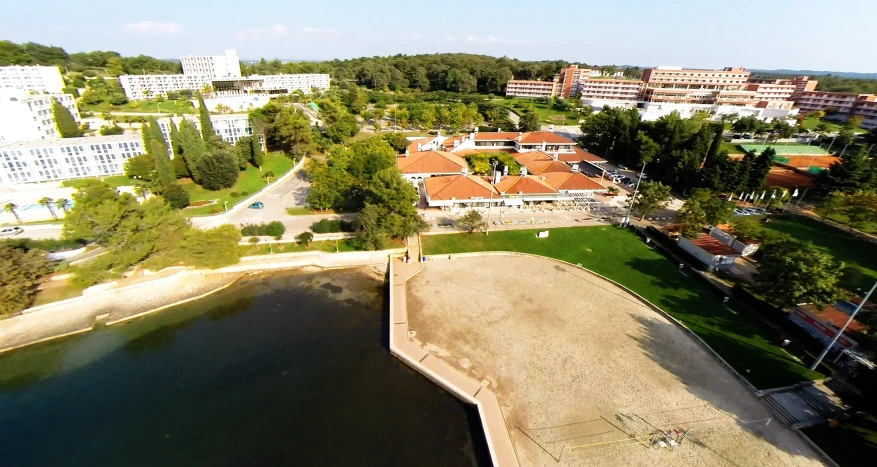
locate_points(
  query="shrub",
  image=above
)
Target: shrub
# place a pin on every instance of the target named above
(176, 196)
(49, 245)
(244, 194)
(234, 194)
(214, 210)
(275, 229)
(218, 170)
(331, 226)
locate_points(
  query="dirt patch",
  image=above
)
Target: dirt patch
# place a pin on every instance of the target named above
(585, 374)
(196, 204)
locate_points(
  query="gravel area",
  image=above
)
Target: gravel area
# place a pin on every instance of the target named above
(586, 374)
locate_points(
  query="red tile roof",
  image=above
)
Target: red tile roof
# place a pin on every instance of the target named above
(529, 185)
(538, 162)
(496, 136)
(572, 182)
(579, 155)
(713, 246)
(431, 162)
(458, 187)
(835, 316)
(412, 146)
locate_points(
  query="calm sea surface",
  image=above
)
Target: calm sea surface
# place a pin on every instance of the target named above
(289, 368)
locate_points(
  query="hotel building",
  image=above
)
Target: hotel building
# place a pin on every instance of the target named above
(33, 78)
(25, 116)
(526, 88)
(214, 66)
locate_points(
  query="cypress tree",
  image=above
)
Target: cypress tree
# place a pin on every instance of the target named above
(192, 147)
(204, 117)
(175, 140)
(163, 168)
(67, 126)
(258, 160)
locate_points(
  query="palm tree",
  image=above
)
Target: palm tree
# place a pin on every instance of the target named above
(61, 204)
(47, 202)
(11, 208)
(141, 191)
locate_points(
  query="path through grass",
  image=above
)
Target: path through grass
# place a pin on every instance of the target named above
(621, 256)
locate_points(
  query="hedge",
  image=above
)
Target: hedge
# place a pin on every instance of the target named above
(331, 226)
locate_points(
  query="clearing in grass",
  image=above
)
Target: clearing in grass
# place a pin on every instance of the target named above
(783, 149)
(621, 256)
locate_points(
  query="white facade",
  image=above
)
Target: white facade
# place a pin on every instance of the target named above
(93, 156)
(150, 86)
(32, 78)
(26, 117)
(213, 66)
(62, 159)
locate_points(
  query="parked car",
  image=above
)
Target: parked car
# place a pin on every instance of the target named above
(625, 180)
(622, 167)
(11, 230)
(257, 205)
(747, 136)
(736, 136)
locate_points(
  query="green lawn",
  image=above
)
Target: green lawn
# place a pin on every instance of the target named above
(859, 256)
(870, 227)
(151, 106)
(545, 113)
(115, 180)
(56, 293)
(326, 245)
(249, 181)
(623, 257)
(810, 123)
(732, 148)
(786, 149)
(849, 443)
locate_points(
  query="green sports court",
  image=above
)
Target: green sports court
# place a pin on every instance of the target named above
(786, 149)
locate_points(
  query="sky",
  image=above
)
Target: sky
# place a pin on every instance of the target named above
(756, 34)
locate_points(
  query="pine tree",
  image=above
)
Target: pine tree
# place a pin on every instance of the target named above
(67, 126)
(192, 147)
(163, 167)
(204, 117)
(853, 172)
(760, 168)
(258, 159)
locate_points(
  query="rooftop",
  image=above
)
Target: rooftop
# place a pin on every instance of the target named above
(458, 187)
(528, 185)
(830, 314)
(55, 142)
(538, 162)
(713, 246)
(431, 162)
(572, 182)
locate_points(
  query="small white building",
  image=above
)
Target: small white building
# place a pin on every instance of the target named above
(711, 252)
(152, 86)
(26, 116)
(214, 66)
(35, 78)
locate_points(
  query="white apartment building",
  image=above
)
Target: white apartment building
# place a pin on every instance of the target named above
(25, 116)
(526, 88)
(610, 89)
(151, 86)
(227, 65)
(32, 78)
(63, 159)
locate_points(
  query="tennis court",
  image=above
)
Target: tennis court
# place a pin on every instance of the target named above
(787, 149)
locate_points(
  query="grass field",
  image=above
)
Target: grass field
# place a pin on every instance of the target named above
(783, 149)
(859, 256)
(249, 181)
(810, 123)
(870, 227)
(542, 110)
(264, 249)
(730, 147)
(115, 180)
(622, 256)
(150, 106)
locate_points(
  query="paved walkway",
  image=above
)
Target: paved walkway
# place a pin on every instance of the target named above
(499, 443)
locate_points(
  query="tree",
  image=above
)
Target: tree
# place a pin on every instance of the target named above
(853, 172)
(176, 196)
(211, 248)
(471, 221)
(652, 197)
(111, 130)
(275, 229)
(859, 207)
(243, 150)
(47, 202)
(141, 167)
(67, 126)
(305, 238)
(529, 122)
(292, 132)
(192, 147)
(217, 171)
(790, 273)
(20, 273)
(718, 211)
(175, 143)
(692, 217)
(256, 151)
(345, 127)
(164, 171)
(141, 191)
(62, 203)
(760, 169)
(253, 241)
(204, 118)
(12, 208)
(115, 67)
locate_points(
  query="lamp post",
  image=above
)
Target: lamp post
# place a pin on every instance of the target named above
(842, 329)
(635, 191)
(490, 203)
(225, 203)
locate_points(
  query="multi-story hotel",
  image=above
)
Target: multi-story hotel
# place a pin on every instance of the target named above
(65, 158)
(619, 92)
(800, 84)
(219, 75)
(32, 78)
(686, 86)
(845, 104)
(214, 66)
(525, 88)
(25, 116)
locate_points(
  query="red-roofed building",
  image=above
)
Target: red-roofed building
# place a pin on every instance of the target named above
(460, 191)
(537, 162)
(710, 251)
(824, 324)
(419, 165)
